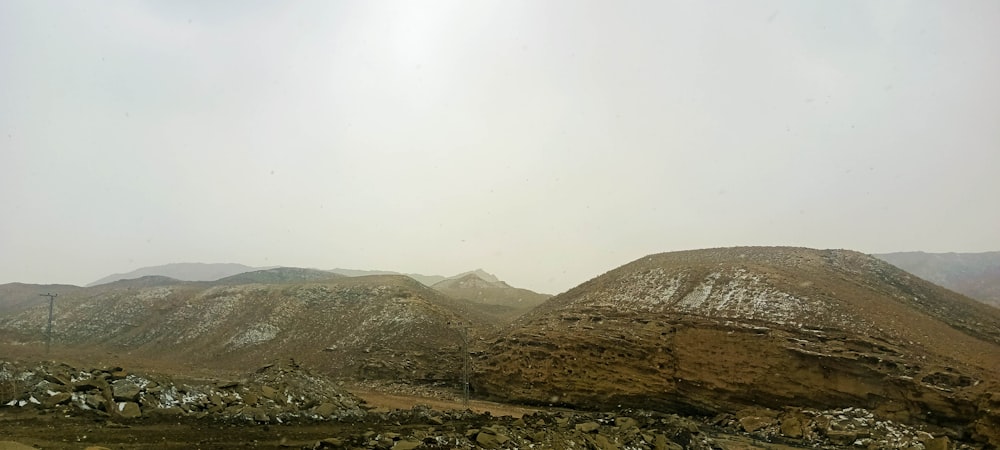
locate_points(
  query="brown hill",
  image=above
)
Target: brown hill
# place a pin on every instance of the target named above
(473, 287)
(721, 330)
(974, 274)
(389, 327)
(18, 296)
(280, 275)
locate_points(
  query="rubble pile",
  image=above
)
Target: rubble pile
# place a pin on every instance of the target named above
(838, 428)
(285, 395)
(629, 429)
(427, 428)
(272, 394)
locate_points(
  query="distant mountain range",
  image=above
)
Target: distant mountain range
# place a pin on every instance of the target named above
(976, 275)
(477, 286)
(426, 280)
(182, 271)
(219, 271)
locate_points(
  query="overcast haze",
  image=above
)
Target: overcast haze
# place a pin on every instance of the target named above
(546, 142)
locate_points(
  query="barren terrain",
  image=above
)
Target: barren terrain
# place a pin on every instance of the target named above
(723, 348)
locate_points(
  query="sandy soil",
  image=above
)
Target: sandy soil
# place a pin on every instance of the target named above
(383, 402)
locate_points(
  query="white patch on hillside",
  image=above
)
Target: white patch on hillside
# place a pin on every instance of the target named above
(260, 332)
(393, 320)
(733, 294)
(644, 291)
(747, 296)
(209, 309)
(698, 296)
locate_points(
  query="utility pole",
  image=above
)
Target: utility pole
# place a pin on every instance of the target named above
(466, 363)
(48, 334)
(465, 367)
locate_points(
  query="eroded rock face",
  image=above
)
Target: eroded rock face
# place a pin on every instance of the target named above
(705, 333)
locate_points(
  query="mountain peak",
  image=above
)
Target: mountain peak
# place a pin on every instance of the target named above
(481, 274)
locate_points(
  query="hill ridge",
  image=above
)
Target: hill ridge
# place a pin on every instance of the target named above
(717, 330)
(181, 271)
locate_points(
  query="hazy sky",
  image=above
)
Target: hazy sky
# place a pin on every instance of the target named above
(544, 141)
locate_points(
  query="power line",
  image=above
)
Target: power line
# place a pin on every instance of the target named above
(48, 333)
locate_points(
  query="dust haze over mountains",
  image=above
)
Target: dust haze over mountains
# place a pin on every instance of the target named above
(545, 142)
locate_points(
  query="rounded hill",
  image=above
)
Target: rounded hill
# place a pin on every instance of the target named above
(716, 330)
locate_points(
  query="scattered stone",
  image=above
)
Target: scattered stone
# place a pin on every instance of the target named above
(328, 443)
(125, 391)
(60, 398)
(941, 443)
(489, 437)
(57, 378)
(325, 409)
(602, 443)
(626, 422)
(268, 392)
(94, 401)
(791, 427)
(842, 437)
(87, 385)
(754, 423)
(407, 444)
(129, 410)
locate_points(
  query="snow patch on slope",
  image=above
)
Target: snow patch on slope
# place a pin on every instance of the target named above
(746, 295)
(735, 293)
(260, 332)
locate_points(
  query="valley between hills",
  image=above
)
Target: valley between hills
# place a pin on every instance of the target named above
(729, 348)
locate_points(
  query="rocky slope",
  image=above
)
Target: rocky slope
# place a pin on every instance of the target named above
(974, 274)
(371, 327)
(722, 330)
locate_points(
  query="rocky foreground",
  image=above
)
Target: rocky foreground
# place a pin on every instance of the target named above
(271, 407)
